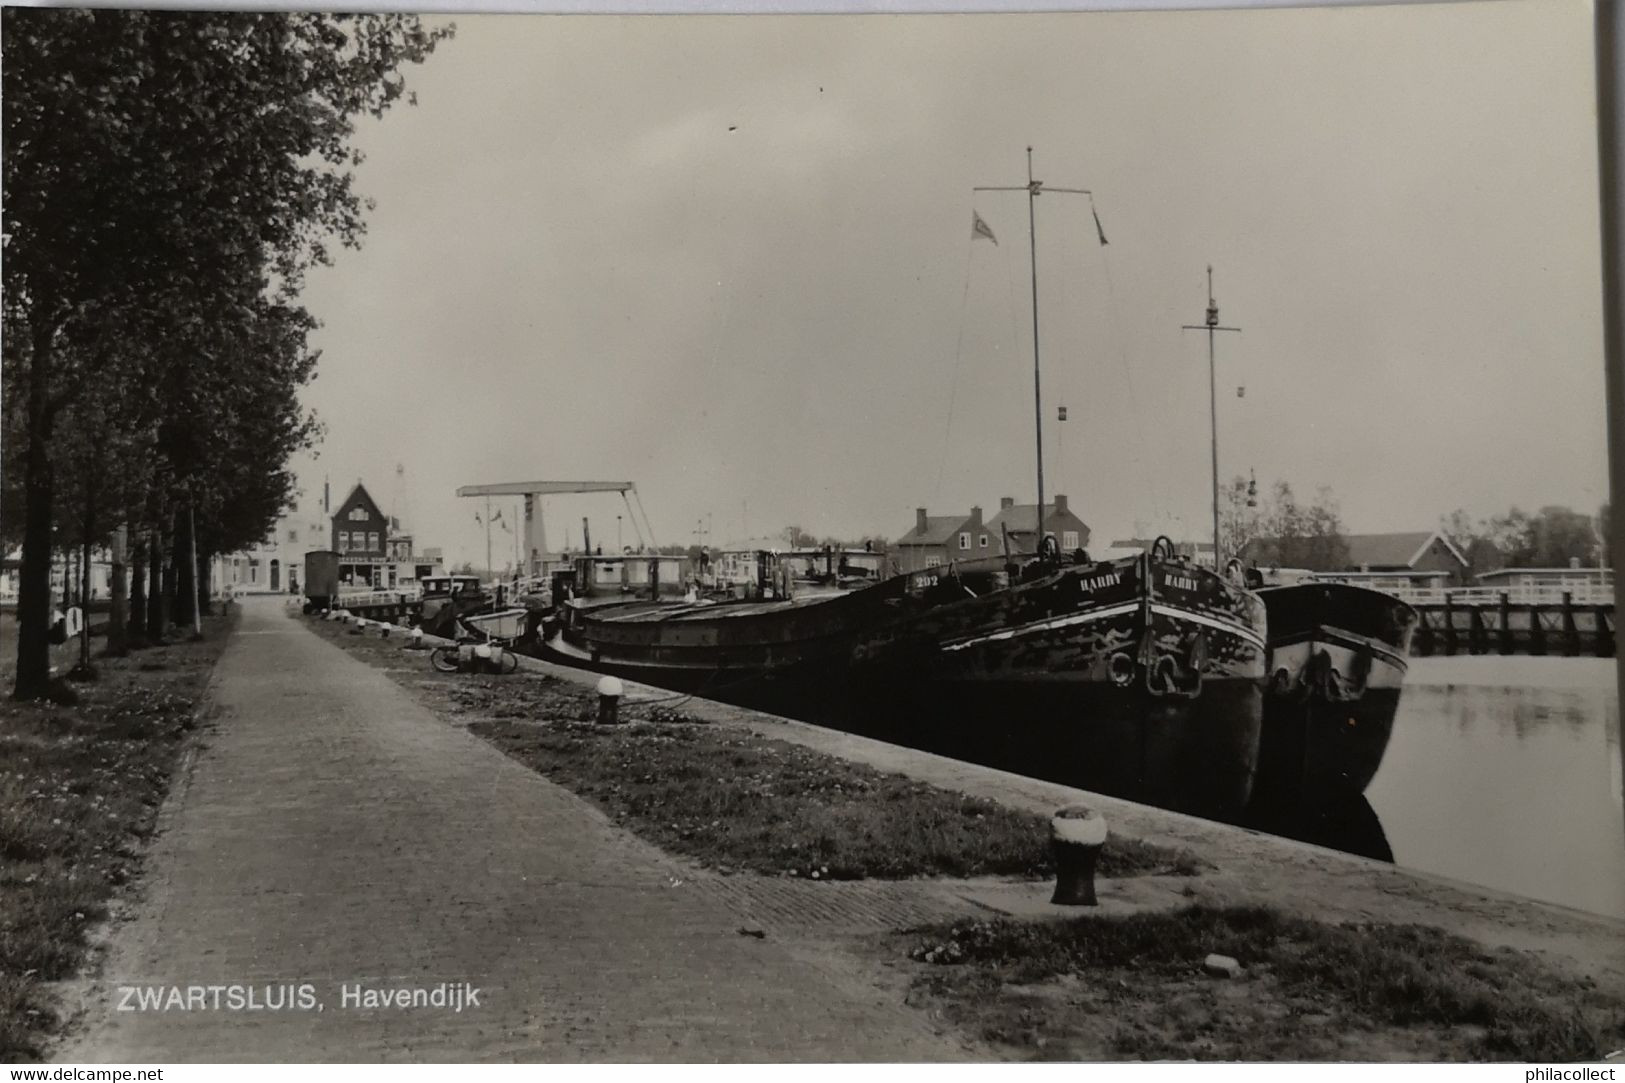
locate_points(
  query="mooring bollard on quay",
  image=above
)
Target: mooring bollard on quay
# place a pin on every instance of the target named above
(610, 690)
(1076, 836)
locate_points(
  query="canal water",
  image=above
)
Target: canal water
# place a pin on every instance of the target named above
(1506, 772)
(1501, 771)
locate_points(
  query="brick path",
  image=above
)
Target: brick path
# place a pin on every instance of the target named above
(333, 831)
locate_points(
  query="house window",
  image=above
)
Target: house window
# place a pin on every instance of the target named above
(372, 541)
(358, 514)
(293, 535)
(1069, 540)
(964, 541)
(933, 562)
(984, 541)
(344, 541)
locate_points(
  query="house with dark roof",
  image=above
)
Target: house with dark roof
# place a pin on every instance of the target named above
(943, 539)
(1016, 522)
(1417, 558)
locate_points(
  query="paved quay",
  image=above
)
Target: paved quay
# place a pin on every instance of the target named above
(332, 832)
(1250, 867)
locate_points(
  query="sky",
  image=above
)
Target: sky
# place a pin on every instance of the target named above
(730, 259)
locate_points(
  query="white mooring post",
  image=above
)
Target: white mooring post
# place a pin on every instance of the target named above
(1076, 836)
(610, 691)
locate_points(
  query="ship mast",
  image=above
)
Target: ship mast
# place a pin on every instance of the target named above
(1035, 188)
(1211, 325)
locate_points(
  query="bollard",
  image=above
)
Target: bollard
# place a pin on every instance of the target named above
(465, 656)
(417, 638)
(609, 700)
(1076, 836)
(384, 629)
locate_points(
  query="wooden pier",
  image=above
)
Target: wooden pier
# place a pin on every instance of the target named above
(1487, 622)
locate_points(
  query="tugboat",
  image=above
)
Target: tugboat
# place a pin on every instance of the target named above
(1337, 662)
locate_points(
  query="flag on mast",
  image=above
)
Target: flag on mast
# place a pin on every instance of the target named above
(979, 228)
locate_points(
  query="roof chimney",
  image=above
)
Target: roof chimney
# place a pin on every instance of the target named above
(975, 518)
(919, 520)
(1006, 502)
(1060, 504)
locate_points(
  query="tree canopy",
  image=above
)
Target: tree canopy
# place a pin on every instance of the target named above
(1283, 531)
(169, 179)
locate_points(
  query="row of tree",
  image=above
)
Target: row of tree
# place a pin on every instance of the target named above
(169, 180)
(1279, 528)
(1553, 537)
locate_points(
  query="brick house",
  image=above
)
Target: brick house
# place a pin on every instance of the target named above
(360, 533)
(1017, 520)
(943, 539)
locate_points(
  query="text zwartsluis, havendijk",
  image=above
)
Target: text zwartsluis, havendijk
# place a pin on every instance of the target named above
(453, 996)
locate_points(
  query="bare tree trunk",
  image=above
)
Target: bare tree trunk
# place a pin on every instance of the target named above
(155, 587)
(205, 583)
(187, 584)
(33, 680)
(166, 591)
(117, 633)
(138, 594)
(84, 597)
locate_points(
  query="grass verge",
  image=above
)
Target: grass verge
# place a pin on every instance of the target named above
(734, 800)
(1133, 987)
(80, 789)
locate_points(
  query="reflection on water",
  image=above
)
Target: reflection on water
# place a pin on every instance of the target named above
(1503, 772)
(1511, 785)
(1351, 826)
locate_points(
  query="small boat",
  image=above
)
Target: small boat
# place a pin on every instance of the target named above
(1337, 661)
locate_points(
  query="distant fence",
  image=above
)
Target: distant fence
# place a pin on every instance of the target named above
(1579, 593)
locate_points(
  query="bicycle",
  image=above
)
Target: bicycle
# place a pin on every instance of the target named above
(486, 654)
